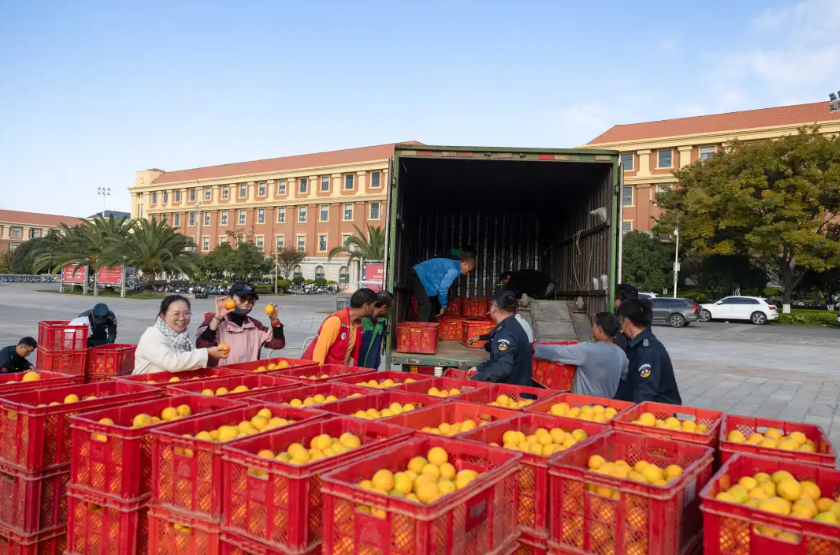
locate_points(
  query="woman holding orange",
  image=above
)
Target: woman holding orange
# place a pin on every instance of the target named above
(232, 325)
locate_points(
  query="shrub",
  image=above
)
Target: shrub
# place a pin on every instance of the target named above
(822, 318)
(298, 280)
(309, 281)
(702, 298)
(331, 282)
(283, 283)
(320, 281)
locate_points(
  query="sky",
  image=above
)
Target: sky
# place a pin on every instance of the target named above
(92, 91)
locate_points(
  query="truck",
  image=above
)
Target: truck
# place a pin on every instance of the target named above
(554, 210)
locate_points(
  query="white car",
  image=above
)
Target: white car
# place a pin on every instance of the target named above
(755, 309)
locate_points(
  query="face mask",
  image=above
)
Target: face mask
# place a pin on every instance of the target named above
(241, 311)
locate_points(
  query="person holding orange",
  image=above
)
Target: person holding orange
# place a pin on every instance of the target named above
(232, 325)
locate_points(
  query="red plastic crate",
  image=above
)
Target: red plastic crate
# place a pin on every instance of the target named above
(451, 327)
(417, 337)
(336, 389)
(330, 371)
(161, 379)
(451, 413)
(515, 393)
(478, 519)
(237, 544)
(532, 481)
(826, 455)
(730, 528)
(399, 378)
(46, 542)
(33, 501)
(532, 545)
(37, 438)
(58, 335)
(553, 375)
(255, 365)
(110, 360)
(256, 384)
(282, 507)
(65, 362)
(475, 328)
(453, 307)
(13, 383)
(116, 459)
(662, 411)
(187, 472)
(350, 407)
(422, 370)
(413, 304)
(457, 374)
(475, 308)
(575, 400)
(176, 533)
(656, 520)
(101, 525)
(448, 384)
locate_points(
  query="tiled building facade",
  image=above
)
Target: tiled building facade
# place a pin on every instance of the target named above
(17, 227)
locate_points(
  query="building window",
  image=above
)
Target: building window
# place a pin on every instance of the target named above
(262, 188)
(176, 220)
(280, 242)
(298, 272)
(163, 218)
(261, 216)
(325, 213)
(665, 158)
(207, 218)
(374, 210)
(375, 180)
(205, 243)
(191, 221)
(322, 243)
(627, 161)
(243, 190)
(154, 220)
(242, 217)
(348, 182)
(319, 272)
(281, 215)
(222, 239)
(662, 189)
(348, 212)
(626, 226)
(178, 196)
(260, 242)
(13, 247)
(301, 243)
(343, 275)
(225, 192)
(303, 183)
(627, 196)
(154, 198)
(706, 153)
(281, 187)
(208, 194)
(302, 215)
(325, 183)
(345, 239)
(192, 194)
(34, 233)
(165, 197)
(223, 218)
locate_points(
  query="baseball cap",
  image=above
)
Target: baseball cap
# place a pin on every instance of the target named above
(100, 312)
(243, 289)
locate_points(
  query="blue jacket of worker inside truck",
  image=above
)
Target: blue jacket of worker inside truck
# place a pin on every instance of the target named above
(437, 275)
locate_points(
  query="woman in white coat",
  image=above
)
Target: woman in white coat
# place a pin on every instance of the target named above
(166, 345)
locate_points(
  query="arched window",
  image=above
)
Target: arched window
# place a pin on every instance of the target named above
(343, 275)
(298, 271)
(319, 272)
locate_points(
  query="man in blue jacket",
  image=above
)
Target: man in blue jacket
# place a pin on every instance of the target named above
(373, 330)
(430, 282)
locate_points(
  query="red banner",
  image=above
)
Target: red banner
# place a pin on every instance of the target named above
(110, 275)
(77, 277)
(374, 276)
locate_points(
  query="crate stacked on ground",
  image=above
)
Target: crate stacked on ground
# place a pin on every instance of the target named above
(451, 327)
(450, 418)
(320, 374)
(382, 380)
(538, 437)
(276, 500)
(790, 510)
(628, 493)
(62, 348)
(108, 497)
(471, 329)
(384, 405)
(475, 308)
(17, 382)
(470, 509)
(675, 422)
(445, 388)
(585, 407)
(233, 387)
(270, 365)
(109, 361)
(237, 544)
(809, 444)
(422, 370)
(165, 379)
(506, 396)
(553, 375)
(48, 542)
(417, 337)
(313, 395)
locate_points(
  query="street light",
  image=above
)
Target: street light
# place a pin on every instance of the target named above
(105, 192)
(676, 256)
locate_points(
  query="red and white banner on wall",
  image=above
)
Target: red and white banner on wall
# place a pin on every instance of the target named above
(109, 276)
(73, 275)
(373, 275)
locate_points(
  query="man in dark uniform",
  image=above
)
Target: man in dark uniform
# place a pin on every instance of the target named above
(510, 351)
(623, 292)
(13, 358)
(102, 324)
(650, 376)
(533, 283)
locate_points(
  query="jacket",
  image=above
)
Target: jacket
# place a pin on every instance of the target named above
(650, 376)
(155, 353)
(337, 352)
(600, 366)
(246, 340)
(98, 334)
(437, 276)
(373, 330)
(510, 356)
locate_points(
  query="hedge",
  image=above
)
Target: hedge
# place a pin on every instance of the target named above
(824, 318)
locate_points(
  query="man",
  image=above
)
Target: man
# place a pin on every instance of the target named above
(430, 282)
(510, 351)
(456, 254)
(373, 329)
(339, 339)
(623, 292)
(13, 358)
(232, 325)
(600, 364)
(650, 376)
(533, 283)
(101, 323)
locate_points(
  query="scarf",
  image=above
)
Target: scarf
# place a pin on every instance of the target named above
(181, 341)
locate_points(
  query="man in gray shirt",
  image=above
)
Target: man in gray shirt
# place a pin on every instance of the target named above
(601, 365)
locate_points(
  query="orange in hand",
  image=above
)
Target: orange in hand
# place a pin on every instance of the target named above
(269, 309)
(224, 348)
(230, 304)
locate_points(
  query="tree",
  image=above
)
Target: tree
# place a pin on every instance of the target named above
(248, 262)
(5, 262)
(359, 246)
(217, 262)
(774, 201)
(21, 262)
(647, 262)
(826, 283)
(287, 259)
(723, 275)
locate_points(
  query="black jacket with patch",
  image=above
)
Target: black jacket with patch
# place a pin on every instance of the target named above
(510, 356)
(651, 375)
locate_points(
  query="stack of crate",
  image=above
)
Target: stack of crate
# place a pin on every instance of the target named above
(62, 348)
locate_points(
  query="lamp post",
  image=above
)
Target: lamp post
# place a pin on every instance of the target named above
(676, 255)
(105, 192)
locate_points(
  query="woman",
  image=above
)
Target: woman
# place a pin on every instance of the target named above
(166, 346)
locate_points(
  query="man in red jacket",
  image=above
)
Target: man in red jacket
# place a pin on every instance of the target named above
(340, 336)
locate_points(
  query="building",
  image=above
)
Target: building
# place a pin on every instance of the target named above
(17, 227)
(651, 151)
(311, 202)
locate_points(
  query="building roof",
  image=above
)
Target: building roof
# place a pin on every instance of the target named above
(35, 218)
(286, 163)
(800, 114)
(111, 213)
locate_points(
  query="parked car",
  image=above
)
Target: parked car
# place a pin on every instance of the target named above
(754, 309)
(646, 295)
(675, 312)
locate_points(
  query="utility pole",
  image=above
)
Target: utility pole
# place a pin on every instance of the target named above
(276, 266)
(676, 255)
(104, 192)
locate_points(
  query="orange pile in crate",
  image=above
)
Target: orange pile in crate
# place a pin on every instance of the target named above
(776, 439)
(374, 407)
(581, 407)
(381, 380)
(451, 418)
(676, 422)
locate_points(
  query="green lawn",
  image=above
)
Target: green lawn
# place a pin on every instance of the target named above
(139, 295)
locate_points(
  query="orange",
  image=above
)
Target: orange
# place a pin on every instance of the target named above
(230, 304)
(224, 348)
(269, 309)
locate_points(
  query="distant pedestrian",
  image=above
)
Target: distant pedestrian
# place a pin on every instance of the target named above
(13, 358)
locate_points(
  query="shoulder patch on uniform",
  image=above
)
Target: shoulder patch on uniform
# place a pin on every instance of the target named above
(343, 336)
(644, 370)
(503, 344)
(645, 343)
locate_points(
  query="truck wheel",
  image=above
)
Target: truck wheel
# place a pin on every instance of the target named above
(758, 318)
(677, 320)
(705, 315)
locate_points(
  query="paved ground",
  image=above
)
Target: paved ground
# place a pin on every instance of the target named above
(773, 371)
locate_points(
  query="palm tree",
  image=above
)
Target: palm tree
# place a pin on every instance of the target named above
(360, 247)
